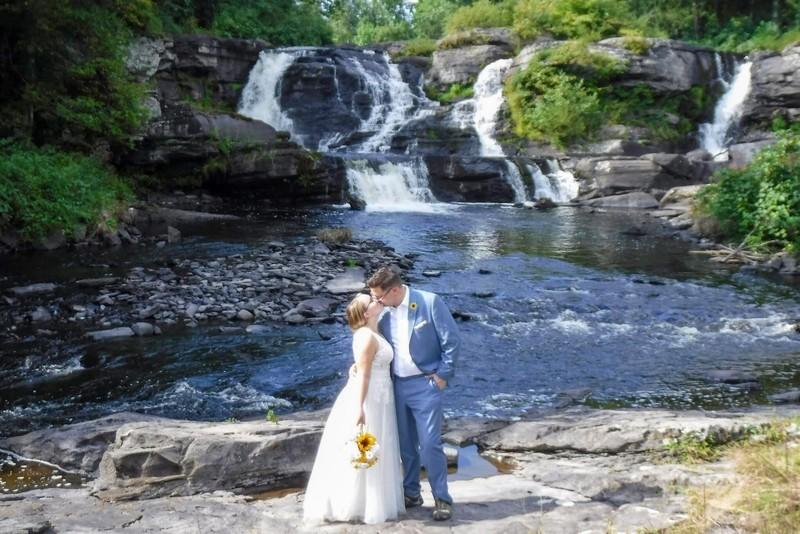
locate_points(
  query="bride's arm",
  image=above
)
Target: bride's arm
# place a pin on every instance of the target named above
(364, 346)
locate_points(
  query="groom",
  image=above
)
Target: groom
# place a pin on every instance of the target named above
(425, 341)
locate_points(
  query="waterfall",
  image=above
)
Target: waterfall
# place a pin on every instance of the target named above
(261, 95)
(481, 112)
(558, 185)
(391, 186)
(714, 136)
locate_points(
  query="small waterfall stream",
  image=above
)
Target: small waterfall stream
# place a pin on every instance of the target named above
(715, 136)
(260, 97)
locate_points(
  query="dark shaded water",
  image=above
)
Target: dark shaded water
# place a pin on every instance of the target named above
(573, 303)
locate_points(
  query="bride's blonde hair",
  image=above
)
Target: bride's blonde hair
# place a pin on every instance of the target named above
(357, 313)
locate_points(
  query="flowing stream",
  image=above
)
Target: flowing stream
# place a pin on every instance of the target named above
(715, 136)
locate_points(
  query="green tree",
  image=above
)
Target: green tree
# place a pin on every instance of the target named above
(430, 17)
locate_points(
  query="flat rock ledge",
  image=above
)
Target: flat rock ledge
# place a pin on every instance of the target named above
(576, 470)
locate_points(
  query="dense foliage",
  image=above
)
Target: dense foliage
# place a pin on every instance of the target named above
(760, 204)
(43, 189)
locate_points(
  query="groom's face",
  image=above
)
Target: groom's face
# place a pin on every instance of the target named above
(388, 297)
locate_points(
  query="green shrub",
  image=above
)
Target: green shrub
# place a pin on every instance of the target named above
(453, 93)
(636, 44)
(551, 105)
(459, 39)
(368, 33)
(760, 204)
(571, 19)
(418, 47)
(481, 14)
(556, 99)
(43, 189)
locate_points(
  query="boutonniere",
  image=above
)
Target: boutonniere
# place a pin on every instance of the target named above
(413, 306)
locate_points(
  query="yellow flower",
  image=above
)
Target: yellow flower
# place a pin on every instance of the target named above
(413, 305)
(366, 441)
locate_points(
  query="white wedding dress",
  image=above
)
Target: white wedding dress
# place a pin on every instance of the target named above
(338, 491)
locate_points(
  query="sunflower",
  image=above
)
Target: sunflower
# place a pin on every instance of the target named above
(365, 441)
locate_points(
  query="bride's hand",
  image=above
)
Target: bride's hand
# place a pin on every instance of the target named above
(353, 371)
(362, 418)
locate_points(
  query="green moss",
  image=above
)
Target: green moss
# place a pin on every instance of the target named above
(636, 44)
(418, 47)
(462, 38)
(453, 93)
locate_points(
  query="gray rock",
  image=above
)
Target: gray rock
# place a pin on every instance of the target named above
(32, 289)
(143, 329)
(245, 315)
(432, 273)
(185, 458)
(111, 333)
(462, 65)
(77, 447)
(741, 154)
(775, 87)
(731, 376)
(144, 56)
(680, 198)
(792, 396)
(635, 200)
(351, 281)
(173, 234)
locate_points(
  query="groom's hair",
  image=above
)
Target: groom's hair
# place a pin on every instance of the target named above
(385, 278)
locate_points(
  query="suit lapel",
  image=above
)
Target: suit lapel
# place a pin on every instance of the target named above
(413, 306)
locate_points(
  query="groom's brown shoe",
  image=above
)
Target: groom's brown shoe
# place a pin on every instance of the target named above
(412, 502)
(442, 510)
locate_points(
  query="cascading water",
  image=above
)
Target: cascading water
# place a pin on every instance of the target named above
(397, 185)
(391, 186)
(714, 136)
(261, 96)
(558, 185)
(484, 108)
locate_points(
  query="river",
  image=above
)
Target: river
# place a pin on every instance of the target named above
(558, 300)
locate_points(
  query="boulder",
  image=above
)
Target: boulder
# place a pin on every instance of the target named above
(150, 460)
(680, 198)
(617, 175)
(469, 179)
(635, 200)
(775, 87)
(463, 64)
(681, 167)
(77, 447)
(741, 154)
(111, 333)
(32, 289)
(352, 280)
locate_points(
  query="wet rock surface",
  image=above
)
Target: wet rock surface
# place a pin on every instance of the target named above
(579, 482)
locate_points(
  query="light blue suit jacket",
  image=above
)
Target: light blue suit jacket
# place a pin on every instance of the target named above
(434, 339)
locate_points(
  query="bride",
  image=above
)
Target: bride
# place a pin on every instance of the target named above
(337, 490)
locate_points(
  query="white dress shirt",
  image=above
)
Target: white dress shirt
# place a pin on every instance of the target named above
(402, 364)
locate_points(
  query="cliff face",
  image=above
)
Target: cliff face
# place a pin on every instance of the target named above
(195, 136)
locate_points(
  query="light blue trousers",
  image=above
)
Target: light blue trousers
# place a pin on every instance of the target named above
(418, 401)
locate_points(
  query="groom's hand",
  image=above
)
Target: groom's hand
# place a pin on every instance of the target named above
(441, 382)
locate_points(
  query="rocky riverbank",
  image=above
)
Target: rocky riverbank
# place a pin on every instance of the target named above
(305, 281)
(574, 470)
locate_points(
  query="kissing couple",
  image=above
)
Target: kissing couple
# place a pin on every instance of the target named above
(404, 344)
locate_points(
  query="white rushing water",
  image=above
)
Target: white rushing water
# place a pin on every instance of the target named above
(393, 105)
(714, 136)
(392, 186)
(261, 94)
(481, 113)
(558, 185)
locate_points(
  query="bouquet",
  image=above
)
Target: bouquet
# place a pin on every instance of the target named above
(363, 449)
